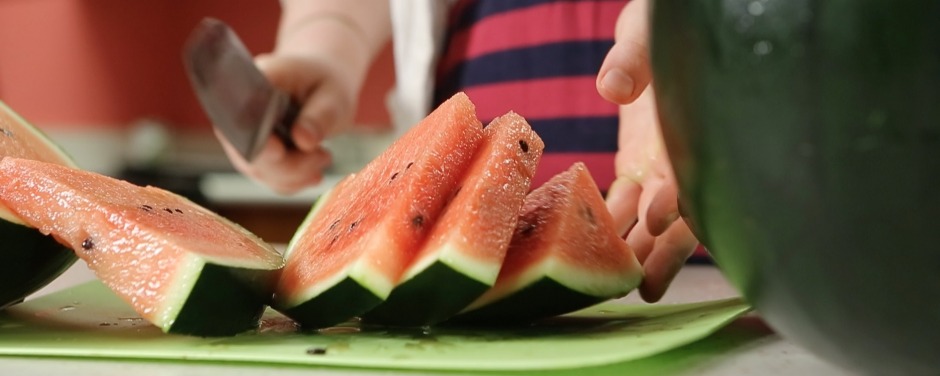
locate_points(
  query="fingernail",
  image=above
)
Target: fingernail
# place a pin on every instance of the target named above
(618, 84)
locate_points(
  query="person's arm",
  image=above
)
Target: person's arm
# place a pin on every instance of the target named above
(351, 32)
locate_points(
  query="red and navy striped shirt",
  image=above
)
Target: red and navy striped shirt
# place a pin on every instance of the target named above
(540, 59)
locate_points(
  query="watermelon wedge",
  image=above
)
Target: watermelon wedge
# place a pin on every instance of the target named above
(29, 259)
(358, 240)
(181, 267)
(565, 255)
(465, 249)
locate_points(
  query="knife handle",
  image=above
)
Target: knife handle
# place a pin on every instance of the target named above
(283, 127)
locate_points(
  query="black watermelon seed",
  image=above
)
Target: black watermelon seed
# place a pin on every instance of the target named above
(527, 228)
(316, 351)
(524, 145)
(178, 211)
(333, 225)
(353, 225)
(589, 215)
(409, 165)
(168, 210)
(146, 207)
(395, 175)
(417, 221)
(87, 244)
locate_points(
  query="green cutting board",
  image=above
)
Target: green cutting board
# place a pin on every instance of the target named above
(89, 321)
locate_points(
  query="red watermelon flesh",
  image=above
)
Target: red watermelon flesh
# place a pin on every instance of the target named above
(145, 243)
(481, 218)
(565, 238)
(368, 229)
(470, 239)
(32, 145)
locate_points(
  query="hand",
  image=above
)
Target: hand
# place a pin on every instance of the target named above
(643, 198)
(327, 102)
(324, 49)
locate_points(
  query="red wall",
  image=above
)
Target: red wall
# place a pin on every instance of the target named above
(110, 62)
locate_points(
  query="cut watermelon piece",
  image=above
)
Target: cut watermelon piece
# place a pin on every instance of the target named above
(464, 250)
(29, 259)
(358, 240)
(180, 266)
(565, 255)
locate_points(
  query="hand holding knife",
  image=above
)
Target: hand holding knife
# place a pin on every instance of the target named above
(238, 99)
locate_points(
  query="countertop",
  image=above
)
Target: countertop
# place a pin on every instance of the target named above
(762, 352)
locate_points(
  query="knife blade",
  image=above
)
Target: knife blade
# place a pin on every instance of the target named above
(238, 99)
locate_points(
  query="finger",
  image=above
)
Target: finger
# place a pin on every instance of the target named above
(282, 172)
(622, 200)
(626, 68)
(301, 81)
(663, 209)
(668, 255)
(325, 113)
(293, 171)
(640, 240)
(269, 151)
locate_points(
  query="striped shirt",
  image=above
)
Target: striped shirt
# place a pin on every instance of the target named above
(540, 59)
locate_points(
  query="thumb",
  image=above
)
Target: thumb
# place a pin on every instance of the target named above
(625, 71)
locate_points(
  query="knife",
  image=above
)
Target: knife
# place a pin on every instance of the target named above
(235, 95)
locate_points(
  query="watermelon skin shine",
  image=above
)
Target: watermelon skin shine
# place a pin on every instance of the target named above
(805, 137)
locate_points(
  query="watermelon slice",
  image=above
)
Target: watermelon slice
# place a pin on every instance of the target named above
(565, 255)
(357, 241)
(181, 267)
(465, 249)
(29, 259)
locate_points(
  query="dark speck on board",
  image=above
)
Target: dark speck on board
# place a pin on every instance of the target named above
(316, 351)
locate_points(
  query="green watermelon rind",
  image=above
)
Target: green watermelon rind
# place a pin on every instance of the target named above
(38, 258)
(340, 302)
(218, 296)
(348, 293)
(213, 299)
(455, 258)
(407, 304)
(547, 289)
(336, 299)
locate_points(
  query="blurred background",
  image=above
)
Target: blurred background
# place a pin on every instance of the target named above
(105, 79)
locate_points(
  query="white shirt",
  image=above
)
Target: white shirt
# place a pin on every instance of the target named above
(418, 28)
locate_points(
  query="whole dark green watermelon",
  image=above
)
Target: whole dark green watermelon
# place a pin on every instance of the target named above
(805, 136)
